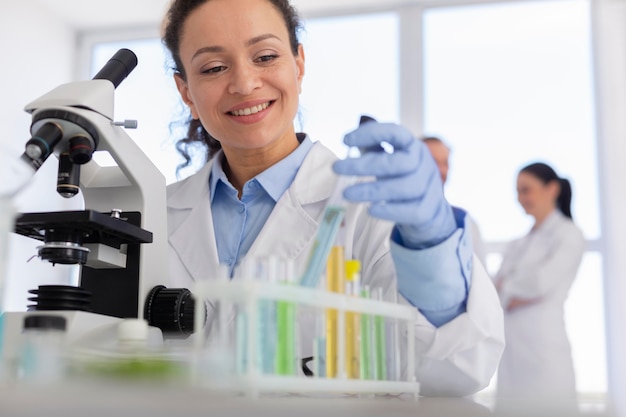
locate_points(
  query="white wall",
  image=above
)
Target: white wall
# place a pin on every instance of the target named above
(609, 24)
(38, 54)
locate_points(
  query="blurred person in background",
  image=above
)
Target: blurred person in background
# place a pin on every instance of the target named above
(441, 154)
(533, 282)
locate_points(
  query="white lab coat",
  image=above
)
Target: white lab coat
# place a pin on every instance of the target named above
(477, 239)
(537, 361)
(457, 359)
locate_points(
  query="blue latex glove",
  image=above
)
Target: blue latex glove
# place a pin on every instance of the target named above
(408, 188)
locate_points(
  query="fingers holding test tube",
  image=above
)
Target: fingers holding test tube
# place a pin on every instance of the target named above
(408, 188)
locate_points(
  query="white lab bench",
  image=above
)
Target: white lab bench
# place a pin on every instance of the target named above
(121, 400)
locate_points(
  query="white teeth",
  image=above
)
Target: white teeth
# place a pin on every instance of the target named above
(250, 110)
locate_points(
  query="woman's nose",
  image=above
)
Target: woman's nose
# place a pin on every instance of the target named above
(245, 79)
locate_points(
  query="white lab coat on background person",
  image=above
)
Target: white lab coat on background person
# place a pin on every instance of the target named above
(541, 267)
(456, 359)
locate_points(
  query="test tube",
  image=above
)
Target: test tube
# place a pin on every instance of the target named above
(244, 335)
(396, 344)
(218, 358)
(353, 325)
(241, 344)
(328, 233)
(267, 271)
(366, 340)
(319, 343)
(286, 328)
(335, 277)
(380, 354)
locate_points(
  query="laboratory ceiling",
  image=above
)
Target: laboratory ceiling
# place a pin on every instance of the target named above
(84, 15)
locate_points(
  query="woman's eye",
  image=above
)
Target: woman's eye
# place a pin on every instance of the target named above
(214, 70)
(266, 58)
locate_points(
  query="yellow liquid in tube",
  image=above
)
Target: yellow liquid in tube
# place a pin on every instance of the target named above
(335, 282)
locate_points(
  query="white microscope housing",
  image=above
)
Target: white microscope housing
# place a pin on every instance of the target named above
(120, 239)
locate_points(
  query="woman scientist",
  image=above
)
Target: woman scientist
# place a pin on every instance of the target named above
(534, 279)
(239, 68)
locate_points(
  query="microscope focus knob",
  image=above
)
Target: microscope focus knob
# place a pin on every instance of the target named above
(171, 310)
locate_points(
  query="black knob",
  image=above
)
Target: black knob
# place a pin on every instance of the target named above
(171, 310)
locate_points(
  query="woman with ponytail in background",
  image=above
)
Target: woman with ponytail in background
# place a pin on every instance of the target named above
(533, 282)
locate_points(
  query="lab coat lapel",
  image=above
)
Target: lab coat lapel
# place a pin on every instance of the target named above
(532, 248)
(194, 237)
(292, 225)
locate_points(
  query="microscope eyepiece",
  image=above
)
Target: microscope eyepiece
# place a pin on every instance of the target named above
(118, 67)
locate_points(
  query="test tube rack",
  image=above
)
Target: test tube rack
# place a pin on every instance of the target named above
(248, 294)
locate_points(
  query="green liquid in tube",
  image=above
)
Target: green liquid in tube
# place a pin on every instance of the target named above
(366, 342)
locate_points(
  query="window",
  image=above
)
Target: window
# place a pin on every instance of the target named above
(506, 85)
(350, 70)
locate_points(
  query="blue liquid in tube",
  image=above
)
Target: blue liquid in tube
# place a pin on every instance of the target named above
(327, 232)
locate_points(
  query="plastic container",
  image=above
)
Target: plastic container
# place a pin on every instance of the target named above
(14, 174)
(41, 356)
(133, 357)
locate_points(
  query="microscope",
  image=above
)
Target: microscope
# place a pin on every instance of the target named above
(120, 239)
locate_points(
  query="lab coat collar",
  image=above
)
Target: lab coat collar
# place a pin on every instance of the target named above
(553, 220)
(193, 238)
(293, 224)
(290, 229)
(189, 191)
(306, 188)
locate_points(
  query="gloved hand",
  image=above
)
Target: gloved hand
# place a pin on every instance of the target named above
(408, 188)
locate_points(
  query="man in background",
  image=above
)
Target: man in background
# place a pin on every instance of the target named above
(441, 154)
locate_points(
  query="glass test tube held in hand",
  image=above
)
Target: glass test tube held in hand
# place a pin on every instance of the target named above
(327, 233)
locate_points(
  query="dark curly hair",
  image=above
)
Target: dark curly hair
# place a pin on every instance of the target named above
(176, 16)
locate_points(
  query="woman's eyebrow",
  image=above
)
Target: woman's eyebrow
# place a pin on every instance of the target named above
(207, 49)
(250, 42)
(260, 38)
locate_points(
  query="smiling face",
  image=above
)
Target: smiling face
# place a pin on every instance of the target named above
(242, 79)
